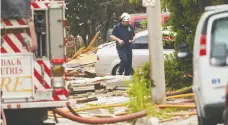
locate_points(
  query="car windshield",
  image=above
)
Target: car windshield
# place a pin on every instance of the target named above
(220, 32)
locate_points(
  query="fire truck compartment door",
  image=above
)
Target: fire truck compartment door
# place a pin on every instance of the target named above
(56, 30)
(16, 76)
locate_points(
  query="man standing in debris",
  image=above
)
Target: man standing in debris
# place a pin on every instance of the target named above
(124, 35)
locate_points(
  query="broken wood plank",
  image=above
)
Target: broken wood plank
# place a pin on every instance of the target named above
(78, 53)
(85, 100)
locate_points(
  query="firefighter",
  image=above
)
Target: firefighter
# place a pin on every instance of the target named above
(124, 35)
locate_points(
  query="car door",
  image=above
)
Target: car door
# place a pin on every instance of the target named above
(140, 51)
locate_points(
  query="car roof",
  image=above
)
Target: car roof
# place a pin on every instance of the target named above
(141, 33)
(145, 32)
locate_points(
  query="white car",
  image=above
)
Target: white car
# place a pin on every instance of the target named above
(108, 60)
(210, 64)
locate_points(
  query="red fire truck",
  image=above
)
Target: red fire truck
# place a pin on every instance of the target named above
(32, 55)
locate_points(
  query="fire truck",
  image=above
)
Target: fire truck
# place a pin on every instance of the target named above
(32, 58)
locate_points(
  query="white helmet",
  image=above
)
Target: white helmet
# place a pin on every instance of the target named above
(125, 17)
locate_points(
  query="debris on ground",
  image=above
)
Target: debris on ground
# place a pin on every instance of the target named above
(107, 97)
(109, 83)
(147, 121)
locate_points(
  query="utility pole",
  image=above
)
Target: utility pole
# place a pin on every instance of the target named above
(156, 58)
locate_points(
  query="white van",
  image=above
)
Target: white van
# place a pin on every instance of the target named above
(210, 64)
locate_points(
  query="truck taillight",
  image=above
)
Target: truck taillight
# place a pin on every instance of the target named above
(57, 68)
(203, 43)
(57, 72)
(57, 61)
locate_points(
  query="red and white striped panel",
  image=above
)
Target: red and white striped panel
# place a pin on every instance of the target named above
(14, 42)
(17, 22)
(44, 4)
(42, 82)
(45, 82)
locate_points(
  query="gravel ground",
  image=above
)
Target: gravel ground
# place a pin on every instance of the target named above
(68, 122)
(189, 121)
(105, 98)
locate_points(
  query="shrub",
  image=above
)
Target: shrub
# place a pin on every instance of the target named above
(175, 72)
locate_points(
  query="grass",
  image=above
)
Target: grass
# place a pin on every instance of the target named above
(139, 91)
(111, 110)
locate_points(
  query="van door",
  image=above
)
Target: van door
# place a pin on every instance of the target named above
(216, 76)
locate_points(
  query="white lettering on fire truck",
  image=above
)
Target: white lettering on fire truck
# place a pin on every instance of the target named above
(6, 82)
(13, 78)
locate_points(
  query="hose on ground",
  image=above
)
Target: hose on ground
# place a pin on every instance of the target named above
(180, 96)
(55, 117)
(187, 90)
(177, 106)
(101, 106)
(3, 117)
(99, 120)
(72, 111)
(182, 102)
(182, 114)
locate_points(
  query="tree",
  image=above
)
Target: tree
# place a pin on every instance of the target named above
(84, 16)
(185, 15)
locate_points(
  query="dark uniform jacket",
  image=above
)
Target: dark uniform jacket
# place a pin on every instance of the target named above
(124, 33)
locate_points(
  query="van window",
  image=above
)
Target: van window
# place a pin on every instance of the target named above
(220, 32)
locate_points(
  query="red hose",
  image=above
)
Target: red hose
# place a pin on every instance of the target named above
(99, 120)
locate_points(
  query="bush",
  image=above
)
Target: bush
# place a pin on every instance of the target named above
(175, 72)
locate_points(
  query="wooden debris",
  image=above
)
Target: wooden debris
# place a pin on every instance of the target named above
(183, 114)
(90, 46)
(78, 53)
(108, 83)
(85, 100)
(166, 120)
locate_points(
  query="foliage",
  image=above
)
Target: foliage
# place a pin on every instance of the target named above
(185, 15)
(85, 16)
(176, 77)
(140, 90)
(111, 110)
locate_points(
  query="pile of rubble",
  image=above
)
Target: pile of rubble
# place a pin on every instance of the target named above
(107, 96)
(108, 83)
